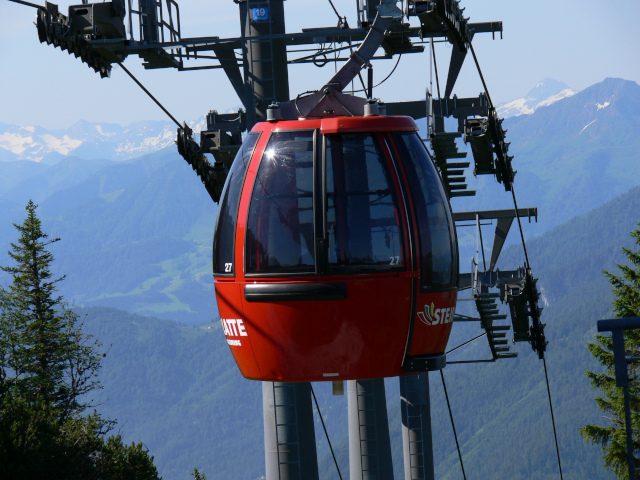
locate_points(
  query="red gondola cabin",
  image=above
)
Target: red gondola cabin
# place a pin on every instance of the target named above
(335, 254)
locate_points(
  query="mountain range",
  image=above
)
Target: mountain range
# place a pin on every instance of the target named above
(571, 156)
(87, 140)
(136, 233)
(135, 246)
(115, 142)
(545, 93)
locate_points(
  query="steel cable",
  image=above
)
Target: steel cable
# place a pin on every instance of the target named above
(381, 82)
(524, 246)
(455, 434)
(484, 84)
(325, 431)
(553, 420)
(150, 95)
(335, 10)
(28, 4)
(466, 343)
(435, 66)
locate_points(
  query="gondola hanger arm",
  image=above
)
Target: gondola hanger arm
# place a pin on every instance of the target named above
(387, 13)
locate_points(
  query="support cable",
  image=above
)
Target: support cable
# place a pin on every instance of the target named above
(150, 95)
(553, 420)
(325, 431)
(431, 69)
(359, 74)
(321, 51)
(28, 4)
(335, 10)
(466, 343)
(455, 435)
(513, 193)
(524, 244)
(385, 78)
(484, 84)
(526, 255)
(435, 66)
(364, 87)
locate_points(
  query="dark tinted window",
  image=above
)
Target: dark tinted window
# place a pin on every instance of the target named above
(439, 262)
(362, 222)
(280, 235)
(225, 234)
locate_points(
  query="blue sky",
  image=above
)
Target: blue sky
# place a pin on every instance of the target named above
(579, 42)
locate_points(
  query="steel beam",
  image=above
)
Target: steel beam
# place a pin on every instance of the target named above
(416, 427)
(266, 76)
(289, 435)
(369, 444)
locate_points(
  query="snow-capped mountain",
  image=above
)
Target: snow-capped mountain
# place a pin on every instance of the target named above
(579, 152)
(543, 94)
(87, 140)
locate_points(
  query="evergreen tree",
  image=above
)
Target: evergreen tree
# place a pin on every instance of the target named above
(51, 359)
(612, 437)
(48, 368)
(197, 475)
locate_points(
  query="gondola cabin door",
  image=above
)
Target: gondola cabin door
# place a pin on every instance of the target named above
(335, 255)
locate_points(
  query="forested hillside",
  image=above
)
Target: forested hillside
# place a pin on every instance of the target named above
(178, 388)
(502, 411)
(136, 235)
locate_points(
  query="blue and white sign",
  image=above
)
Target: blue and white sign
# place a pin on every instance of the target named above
(260, 14)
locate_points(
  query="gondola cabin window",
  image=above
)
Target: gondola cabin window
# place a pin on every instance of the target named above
(362, 220)
(280, 225)
(438, 257)
(224, 240)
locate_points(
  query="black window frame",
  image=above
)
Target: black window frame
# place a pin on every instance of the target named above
(320, 206)
(412, 185)
(391, 171)
(411, 255)
(246, 160)
(314, 212)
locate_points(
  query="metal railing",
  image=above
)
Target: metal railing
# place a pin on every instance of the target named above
(157, 23)
(153, 11)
